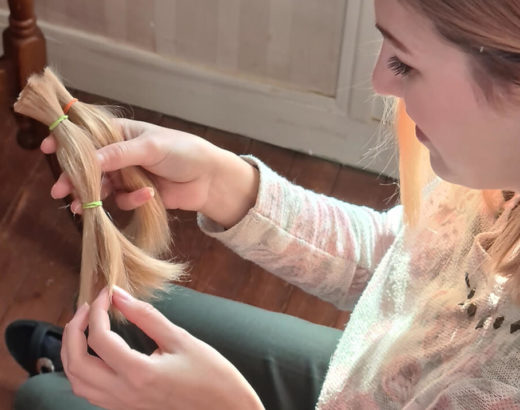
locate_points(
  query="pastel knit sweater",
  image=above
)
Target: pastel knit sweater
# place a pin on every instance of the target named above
(418, 337)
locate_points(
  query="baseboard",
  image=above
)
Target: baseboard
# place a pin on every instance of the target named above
(306, 122)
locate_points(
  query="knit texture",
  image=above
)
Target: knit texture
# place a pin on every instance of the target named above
(428, 330)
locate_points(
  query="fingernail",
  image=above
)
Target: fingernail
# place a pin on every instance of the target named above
(100, 157)
(152, 191)
(74, 208)
(121, 293)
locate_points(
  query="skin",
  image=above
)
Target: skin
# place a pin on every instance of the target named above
(189, 172)
(183, 373)
(470, 143)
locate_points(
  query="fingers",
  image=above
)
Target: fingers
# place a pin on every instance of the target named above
(152, 322)
(132, 200)
(130, 128)
(83, 370)
(126, 201)
(108, 345)
(48, 145)
(62, 187)
(124, 154)
(74, 342)
(112, 157)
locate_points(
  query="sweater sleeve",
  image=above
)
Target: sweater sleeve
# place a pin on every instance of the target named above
(327, 247)
(478, 394)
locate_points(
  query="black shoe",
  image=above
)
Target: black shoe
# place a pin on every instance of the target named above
(35, 345)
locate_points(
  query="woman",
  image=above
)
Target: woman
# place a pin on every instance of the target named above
(435, 288)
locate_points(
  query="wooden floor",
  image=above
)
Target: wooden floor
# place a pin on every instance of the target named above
(40, 246)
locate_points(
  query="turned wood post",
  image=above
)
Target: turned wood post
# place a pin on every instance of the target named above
(24, 54)
(24, 46)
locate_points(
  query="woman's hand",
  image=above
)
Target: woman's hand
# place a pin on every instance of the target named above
(183, 373)
(189, 172)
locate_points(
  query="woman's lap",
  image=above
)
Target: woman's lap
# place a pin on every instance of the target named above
(284, 358)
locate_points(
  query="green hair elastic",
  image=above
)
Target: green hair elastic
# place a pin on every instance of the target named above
(90, 205)
(58, 122)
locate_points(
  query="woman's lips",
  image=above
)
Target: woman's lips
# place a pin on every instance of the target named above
(420, 135)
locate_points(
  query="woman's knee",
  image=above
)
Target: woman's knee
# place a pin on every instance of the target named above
(51, 391)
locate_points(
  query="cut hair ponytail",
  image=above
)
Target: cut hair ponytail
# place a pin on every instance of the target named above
(108, 256)
(148, 228)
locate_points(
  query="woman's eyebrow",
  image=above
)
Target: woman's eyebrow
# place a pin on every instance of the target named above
(386, 34)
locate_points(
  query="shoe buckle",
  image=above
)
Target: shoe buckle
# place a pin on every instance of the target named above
(44, 365)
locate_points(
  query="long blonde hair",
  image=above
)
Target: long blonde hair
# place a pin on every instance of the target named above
(490, 34)
(148, 228)
(108, 256)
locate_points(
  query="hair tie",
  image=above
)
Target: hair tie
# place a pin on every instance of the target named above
(90, 205)
(70, 104)
(58, 122)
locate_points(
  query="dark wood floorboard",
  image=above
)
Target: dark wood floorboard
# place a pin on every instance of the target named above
(40, 246)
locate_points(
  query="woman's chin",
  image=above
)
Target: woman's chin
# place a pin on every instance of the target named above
(476, 180)
(443, 172)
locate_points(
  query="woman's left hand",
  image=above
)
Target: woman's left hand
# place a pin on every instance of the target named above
(183, 373)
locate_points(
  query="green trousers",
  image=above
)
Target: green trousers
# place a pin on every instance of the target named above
(284, 358)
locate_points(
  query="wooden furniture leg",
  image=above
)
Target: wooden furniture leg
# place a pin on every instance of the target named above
(24, 47)
(6, 92)
(24, 54)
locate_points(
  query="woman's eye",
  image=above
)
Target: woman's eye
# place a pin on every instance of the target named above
(398, 67)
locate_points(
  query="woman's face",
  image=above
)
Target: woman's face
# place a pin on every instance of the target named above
(470, 143)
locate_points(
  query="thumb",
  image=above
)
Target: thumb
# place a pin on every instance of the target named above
(153, 323)
(121, 155)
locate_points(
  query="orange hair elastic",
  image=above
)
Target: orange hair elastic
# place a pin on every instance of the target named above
(67, 107)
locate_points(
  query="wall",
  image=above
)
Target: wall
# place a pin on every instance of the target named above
(292, 42)
(291, 72)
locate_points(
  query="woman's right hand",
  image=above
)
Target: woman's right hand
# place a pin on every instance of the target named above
(189, 172)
